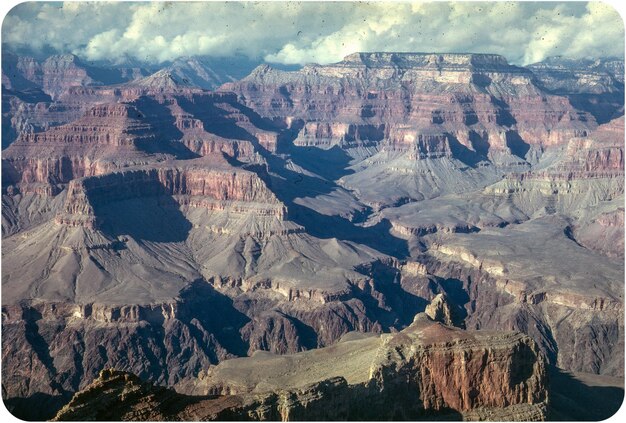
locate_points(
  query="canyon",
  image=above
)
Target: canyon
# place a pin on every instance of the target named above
(426, 369)
(194, 228)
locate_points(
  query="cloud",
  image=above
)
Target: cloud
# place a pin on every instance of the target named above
(303, 32)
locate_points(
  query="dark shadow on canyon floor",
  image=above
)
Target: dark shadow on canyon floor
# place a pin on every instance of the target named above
(571, 399)
(37, 407)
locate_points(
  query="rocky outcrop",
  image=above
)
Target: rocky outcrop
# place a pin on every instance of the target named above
(405, 366)
(440, 310)
(427, 370)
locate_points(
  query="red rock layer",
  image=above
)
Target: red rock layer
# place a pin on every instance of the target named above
(86, 194)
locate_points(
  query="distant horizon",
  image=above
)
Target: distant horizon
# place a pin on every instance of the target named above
(289, 33)
(109, 62)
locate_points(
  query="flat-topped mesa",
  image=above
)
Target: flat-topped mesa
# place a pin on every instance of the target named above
(388, 69)
(211, 187)
(438, 60)
(440, 68)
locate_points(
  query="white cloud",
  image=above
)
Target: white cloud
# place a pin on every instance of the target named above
(297, 33)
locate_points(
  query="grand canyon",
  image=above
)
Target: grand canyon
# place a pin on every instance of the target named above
(391, 236)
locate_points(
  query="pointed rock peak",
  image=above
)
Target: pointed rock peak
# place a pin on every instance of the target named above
(162, 79)
(441, 310)
(260, 72)
(262, 69)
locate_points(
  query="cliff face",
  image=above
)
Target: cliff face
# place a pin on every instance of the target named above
(596, 86)
(415, 370)
(163, 342)
(88, 146)
(590, 172)
(113, 136)
(535, 293)
(404, 95)
(85, 195)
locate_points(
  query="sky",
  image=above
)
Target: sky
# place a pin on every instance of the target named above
(313, 32)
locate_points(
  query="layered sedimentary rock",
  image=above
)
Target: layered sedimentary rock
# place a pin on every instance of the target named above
(210, 72)
(482, 102)
(114, 135)
(62, 72)
(576, 316)
(416, 121)
(590, 171)
(190, 227)
(205, 182)
(596, 86)
(106, 137)
(425, 371)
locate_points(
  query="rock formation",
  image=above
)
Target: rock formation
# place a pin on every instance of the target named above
(596, 86)
(440, 310)
(424, 372)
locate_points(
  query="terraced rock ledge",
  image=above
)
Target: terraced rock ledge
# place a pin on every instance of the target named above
(426, 371)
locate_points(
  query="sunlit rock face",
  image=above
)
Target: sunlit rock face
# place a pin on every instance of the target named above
(426, 371)
(155, 227)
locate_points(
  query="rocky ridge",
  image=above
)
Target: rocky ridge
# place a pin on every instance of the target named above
(379, 368)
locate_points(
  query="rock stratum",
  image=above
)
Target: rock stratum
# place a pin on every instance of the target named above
(156, 227)
(425, 371)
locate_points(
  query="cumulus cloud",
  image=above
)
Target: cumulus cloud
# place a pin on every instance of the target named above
(298, 33)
